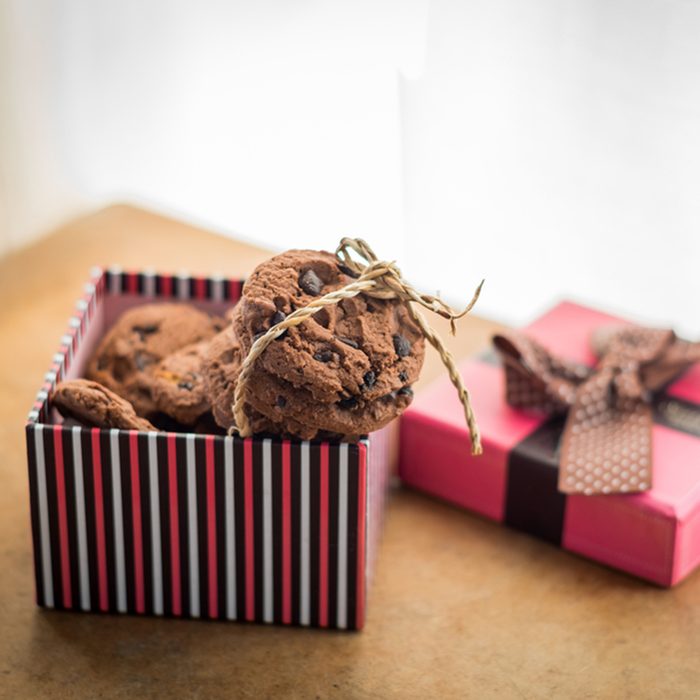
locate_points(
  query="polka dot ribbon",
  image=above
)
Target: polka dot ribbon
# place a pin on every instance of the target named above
(606, 445)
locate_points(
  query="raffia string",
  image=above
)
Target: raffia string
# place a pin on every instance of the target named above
(380, 280)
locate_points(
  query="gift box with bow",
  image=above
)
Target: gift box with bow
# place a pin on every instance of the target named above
(591, 434)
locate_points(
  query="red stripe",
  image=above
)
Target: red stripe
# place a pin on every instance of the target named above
(99, 519)
(234, 290)
(200, 287)
(323, 541)
(286, 534)
(132, 283)
(166, 286)
(136, 519)
(174, 526)
(62, 515)
(361, 534)
(249, 534)
(211, 528)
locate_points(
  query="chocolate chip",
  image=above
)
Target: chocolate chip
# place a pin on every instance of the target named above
(278, 317)
(369, 379)
(143, 331)
(142, 360)
(348, 341)
(185, 385)
(405, 391)
(403, 375)
(281, 401)
(347, 271)
(401, 345)
(310, 282)
(348, 402)
(259, 334)
(390, 396)
(324, 355)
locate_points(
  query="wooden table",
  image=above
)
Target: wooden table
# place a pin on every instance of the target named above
(460, 607)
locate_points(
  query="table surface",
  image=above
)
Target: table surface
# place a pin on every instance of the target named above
(460, 607)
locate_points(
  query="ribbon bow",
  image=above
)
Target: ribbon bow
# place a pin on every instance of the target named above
(606, 445)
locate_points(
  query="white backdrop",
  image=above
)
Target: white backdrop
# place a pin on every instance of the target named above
(551, 146)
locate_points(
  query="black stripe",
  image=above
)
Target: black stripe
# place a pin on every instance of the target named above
(107, 499)
(353, 494)
(202, 528)
(124, 282)
(333, 481)
(314, 531)
(30, 433)
(50, 470)
(183, 515)
(533, 501)
(220, 498)
(192, 287)
(295, 496)
(71, 516)
(127, 519)
(147, 542)
(277, 529)
(140, 283)
(207, 288)
(90, 520)
(258, 527)
(239, 510)
(164, 505)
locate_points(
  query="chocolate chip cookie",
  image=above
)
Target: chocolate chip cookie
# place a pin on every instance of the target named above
(348, 369)
(139, 340)
(221, 368)
(94, 405)
(178, 386)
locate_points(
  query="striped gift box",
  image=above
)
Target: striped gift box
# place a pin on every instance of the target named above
(189, 525)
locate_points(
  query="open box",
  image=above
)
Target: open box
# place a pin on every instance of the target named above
(191, 525)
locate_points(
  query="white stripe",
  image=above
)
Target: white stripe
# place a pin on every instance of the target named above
(149, 284)
(230, 530)
(192, 526)
(157, 556)
(183, 286)
(80, 518)
(46, 569)
(305, 589)
(268, 614)
(120, 572)
(115, 281)
(343, 536)
(217, 289)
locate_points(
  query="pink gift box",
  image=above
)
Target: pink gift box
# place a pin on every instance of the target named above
(196, 525)
(654, 535)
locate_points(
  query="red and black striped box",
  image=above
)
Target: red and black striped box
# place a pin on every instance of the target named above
(200, 526)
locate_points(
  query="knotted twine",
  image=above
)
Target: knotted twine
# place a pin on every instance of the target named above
(607, 442)
(378, 279)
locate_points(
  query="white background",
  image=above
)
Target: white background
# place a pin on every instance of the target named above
(551, 146)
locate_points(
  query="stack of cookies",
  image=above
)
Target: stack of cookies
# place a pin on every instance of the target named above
(344, 372)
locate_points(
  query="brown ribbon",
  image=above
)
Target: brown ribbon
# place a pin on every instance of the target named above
(606, 445)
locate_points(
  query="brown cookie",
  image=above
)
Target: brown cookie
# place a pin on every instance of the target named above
(96, 406)
(222, 365)
(178, 386)
(352, 363)
(296, 409)
(139, 340)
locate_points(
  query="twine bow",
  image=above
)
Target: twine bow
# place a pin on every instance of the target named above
(606, 445)
(380, 280)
